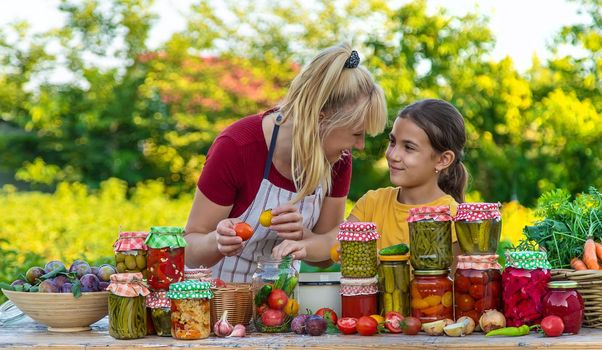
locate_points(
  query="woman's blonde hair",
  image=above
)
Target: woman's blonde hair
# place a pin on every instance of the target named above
(346, 97)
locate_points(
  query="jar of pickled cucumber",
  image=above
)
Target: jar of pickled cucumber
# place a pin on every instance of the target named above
(430, 238)
(165, 258)
(127, 307)
(478, 227)
(130, 252)
(190, 309)
(358, 249)
(394, 284)
(160, 310)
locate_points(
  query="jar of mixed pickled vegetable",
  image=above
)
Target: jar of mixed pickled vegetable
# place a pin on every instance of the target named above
(432, 295)
(563, 300)
(394, 284)
(190, 309)
(127, 309)
(358, 249)
(359, 297)
(524, 284)
(478, 227)
(160, 310)
(477, 285)
(130, 252)
(430, 238)
(165, 256)
(274, 286)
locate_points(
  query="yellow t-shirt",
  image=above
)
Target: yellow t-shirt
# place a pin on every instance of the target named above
(382, 208)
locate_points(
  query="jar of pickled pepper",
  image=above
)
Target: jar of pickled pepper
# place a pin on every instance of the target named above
(432, 295)
(165, 256)
(130, 252)
(478, 227)
(358, 249)
(430, 238)
(394, 284)
(127, 309)
(190, 309)
(477, 285)
(159, 306)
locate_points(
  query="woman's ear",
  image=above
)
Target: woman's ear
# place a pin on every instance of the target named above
(446, 159)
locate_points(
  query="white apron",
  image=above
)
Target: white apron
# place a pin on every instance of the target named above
(241, 268)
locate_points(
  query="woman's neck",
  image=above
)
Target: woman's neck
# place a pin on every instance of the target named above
(425, 193)
(283, 152)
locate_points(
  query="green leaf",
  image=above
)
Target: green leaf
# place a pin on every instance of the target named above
(76, 289)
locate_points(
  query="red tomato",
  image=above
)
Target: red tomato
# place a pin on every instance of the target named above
(243, 230)
(393, 321)
(366, 325)
(272, 318)
(277, 299)
(219, 283)
(411, 325)
(552, 326)
(323, 311)
(479, 277)
(464, 302)
(493, 289)
(462, 284)
(476, 291)
(347, 325)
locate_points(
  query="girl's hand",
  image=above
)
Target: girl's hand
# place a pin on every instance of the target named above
(228, 243)
(294, 248)
(287, 222)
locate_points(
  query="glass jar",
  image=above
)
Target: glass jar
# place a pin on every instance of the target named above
(432, 295)
(359, 297)
(274, 286)
(394, 284)
(165, 258)
(477, 285)
(524, 284)
(563, 300)
(358, 249)
(430, 238)
(130, 252)
(478, 227)
(190, 309)
(127, 309)
(159, 306)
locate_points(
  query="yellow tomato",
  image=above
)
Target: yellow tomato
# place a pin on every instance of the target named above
(334, 253)
(265, 219)
(291, 308)
(419, 304)
(379, 319)
(433, 300)
(447, 299)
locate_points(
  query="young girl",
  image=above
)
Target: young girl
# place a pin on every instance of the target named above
(425, 165)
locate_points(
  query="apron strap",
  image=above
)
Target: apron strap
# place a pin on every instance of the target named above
(268, 162)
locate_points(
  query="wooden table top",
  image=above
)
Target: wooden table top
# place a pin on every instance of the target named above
(27, 333)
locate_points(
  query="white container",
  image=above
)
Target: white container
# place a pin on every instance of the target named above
(318, 290)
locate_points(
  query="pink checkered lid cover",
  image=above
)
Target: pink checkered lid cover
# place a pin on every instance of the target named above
(438, 213)
(128, 285)
(478, 211)
(130, 241)
(357, 231)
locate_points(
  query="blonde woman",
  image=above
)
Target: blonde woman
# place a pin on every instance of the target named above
(294, 159)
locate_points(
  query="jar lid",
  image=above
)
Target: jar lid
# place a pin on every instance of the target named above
(166, 236)
(478, 262)
(394, 257)
(358, 286)
(190, 290)
(527, 260)
(130, 241)
(562, 285)
(201, 274)
(478, 211)
(436, 213)
(430, 272)
(127, 285)
(358, 281)
(357, 231)
(156, 300)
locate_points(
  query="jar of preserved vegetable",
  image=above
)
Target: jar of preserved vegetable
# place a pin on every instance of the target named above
(274, 288)
(190, 309)
(127, 309)
(525, 283)
(359, 297)
(165, 256)
(394, 284)
(563, 300)
(358, 249)
(478, 227)
(430, 238)
(432, 295)
(130, 252)
(477, 285)
(160, 310)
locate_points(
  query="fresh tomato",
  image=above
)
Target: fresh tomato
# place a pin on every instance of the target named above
(552, 326)
(260, 310)
(347, 325)
(277, 299)
(366, 325)
(243, 230)
(411, 325)
(272, 318)
(476, 291)
(265, 219)
(464, 302)
(323, 311)
(394, 321)
(219, 283)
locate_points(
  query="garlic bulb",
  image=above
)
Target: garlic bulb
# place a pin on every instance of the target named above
(223, 328)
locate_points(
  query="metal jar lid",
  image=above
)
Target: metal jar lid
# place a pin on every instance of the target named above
(562, 285)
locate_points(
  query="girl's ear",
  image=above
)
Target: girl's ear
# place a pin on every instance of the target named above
(446, 159)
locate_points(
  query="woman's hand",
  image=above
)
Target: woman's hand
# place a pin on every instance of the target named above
(228, 243)
(287, 222)
(296, 249)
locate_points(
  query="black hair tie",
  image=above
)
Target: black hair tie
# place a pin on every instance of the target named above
(353, 61)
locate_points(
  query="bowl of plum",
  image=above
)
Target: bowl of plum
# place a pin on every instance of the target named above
(64, 299)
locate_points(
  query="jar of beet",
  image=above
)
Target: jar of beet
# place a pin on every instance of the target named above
(165, 258)
(432, 295)
(524, 284)
(563, 300)
(477, 285)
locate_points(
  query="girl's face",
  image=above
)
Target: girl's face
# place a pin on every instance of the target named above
(411, 158)
(343, 140)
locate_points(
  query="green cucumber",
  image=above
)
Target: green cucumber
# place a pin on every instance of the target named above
(398, 249)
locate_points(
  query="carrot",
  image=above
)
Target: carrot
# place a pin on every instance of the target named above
(589, 255)
(599, 250)
(578, 264)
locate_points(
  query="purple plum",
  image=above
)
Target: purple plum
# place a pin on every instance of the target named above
(80, 268)
(47, 287)
(94, 270)
(33, 273)
(54, 265)
(102, 285)
(66, 288)
(89, 283)
(17, 283)
(105, 271)
(59, 281)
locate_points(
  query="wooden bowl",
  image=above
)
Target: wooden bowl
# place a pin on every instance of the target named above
(62, 312)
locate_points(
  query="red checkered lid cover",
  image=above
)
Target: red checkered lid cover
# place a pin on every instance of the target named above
(128, 285)
(156, 300)
(478, 262)
(357, 231)
(438, 213)
(130, 241)
(358, 286)
(478, 211)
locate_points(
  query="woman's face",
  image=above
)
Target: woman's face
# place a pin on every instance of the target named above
(343, 140)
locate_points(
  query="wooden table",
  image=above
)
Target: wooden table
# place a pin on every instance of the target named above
(27, 333)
